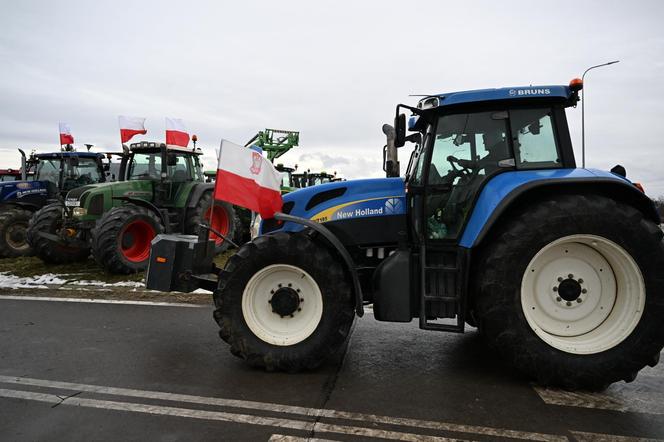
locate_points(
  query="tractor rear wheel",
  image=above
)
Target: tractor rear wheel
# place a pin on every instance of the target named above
(13, 232)
(283, 303)
(225, 220)
(571, 291)
(49, 220)
(122, 237)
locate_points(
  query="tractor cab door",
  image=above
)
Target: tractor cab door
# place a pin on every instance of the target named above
(461, 152)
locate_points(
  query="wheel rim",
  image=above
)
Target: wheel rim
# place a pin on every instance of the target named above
(271, 311)
(583, 294)
(135, 240)
(220, 222)
(15, 237)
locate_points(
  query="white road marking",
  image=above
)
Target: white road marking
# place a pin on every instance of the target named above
(289, 409)
(102, 301)
(221, 416)
(581, 436)
(621, 398)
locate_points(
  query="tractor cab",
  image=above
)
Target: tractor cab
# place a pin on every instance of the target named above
(287, 184)
(68, 170)
(171, 170)
(471, 149)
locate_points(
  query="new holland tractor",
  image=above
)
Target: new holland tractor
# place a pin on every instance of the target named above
(161, 189)
(493, 225)
(45, 178)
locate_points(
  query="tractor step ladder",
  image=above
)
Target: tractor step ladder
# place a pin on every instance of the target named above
(442, 288)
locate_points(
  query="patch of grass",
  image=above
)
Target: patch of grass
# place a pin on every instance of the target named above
(87, 270)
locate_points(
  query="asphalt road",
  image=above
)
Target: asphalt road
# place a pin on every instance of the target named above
(73, 371)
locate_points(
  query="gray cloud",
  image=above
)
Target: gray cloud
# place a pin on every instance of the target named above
(333, 70)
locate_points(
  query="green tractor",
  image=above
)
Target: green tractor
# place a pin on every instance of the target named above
(161, 189)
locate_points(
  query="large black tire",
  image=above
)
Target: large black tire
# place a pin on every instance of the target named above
(122, 236)
(49, 220)
(226, 220)
(305, 255)
(14, 223)
(504, 264)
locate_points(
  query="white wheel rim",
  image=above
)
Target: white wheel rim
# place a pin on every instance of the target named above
(258, 311)
(604, 305)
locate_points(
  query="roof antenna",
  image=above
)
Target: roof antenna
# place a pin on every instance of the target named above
(583, 119)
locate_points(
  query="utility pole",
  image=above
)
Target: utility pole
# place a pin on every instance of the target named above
(583, 118)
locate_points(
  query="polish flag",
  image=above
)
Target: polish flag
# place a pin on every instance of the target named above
(130, 126)
(247, 179)
(176, 133)
(65, 134)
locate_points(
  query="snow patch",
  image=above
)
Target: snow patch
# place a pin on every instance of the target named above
(48, 280)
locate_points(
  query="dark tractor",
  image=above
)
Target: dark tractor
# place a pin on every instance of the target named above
(492, 226)
(160, 189)
(45, 178)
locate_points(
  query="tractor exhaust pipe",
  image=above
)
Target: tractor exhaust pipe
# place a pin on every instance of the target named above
(391, 157)
(24, 172)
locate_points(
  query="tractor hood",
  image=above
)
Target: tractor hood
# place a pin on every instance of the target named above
(99, 198)
(18, 190)
(344, 202)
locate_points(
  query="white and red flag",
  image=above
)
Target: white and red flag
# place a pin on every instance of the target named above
(130, 126)
(247, 179)
(65, 134)
(176, 133)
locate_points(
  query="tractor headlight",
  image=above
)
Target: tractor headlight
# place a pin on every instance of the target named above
(255, 226)
(80, 211)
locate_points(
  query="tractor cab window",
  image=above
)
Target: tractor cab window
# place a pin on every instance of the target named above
(179, 168)
(48, 170)
(145, 166)
(467, 148)
(80, 172)
(533, 139)
(197, 169)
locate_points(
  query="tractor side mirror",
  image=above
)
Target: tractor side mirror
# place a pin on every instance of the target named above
(172, 160)
(400, 130)
(74, 161)
(534, 128)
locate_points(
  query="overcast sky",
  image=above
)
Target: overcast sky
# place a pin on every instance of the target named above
(332, 70)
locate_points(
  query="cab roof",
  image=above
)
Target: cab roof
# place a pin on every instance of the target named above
(68, 155)
(153, 145)
(509, 94)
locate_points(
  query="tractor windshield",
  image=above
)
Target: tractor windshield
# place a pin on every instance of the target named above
(145, 166)
(80, 172)
(48, 170)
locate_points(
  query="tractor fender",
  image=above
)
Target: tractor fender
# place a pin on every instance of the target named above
(491, 206)
(197, 192)
(163, 217)
(334, 241)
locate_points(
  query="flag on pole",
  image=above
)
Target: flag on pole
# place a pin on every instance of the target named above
(247, 179)
(65, 134)
(176, 133)
(130, 126)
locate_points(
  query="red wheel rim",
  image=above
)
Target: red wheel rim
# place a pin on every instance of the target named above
(135, 240)
(220, 223)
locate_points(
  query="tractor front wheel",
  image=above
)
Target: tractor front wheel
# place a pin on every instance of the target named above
(49, 220)
(122, 237)
(13, 232)
(284, 303)
(224, 220)
(571, 291)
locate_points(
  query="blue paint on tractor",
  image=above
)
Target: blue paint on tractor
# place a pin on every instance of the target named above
(504, 93)
(497, 189)
(362, 198)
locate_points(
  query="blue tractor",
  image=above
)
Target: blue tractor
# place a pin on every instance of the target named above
(52, 175)
(492, 226)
